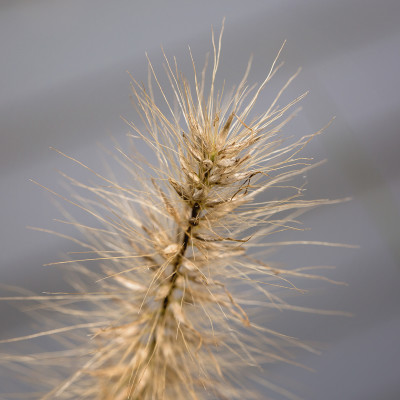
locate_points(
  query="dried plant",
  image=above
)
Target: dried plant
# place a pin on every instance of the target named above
(180, 255)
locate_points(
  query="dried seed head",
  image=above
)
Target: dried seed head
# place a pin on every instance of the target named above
(167, 319)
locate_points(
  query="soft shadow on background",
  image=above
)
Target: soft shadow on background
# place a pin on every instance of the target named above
(64, 84)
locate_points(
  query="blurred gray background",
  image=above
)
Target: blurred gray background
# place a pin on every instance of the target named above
(64, 84)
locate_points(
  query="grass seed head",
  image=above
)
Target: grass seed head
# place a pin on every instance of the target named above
(175, 313)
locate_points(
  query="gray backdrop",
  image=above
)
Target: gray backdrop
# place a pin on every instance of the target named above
(63, 84)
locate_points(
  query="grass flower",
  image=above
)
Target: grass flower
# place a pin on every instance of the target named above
(171, 310)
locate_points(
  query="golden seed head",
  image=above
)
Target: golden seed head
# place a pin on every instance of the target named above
(173, 314)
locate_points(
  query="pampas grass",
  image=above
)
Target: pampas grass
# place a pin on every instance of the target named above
(181, 279)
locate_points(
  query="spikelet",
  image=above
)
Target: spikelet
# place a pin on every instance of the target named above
(175, 313)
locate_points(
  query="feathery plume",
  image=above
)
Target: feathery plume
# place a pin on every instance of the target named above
(174, 314)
